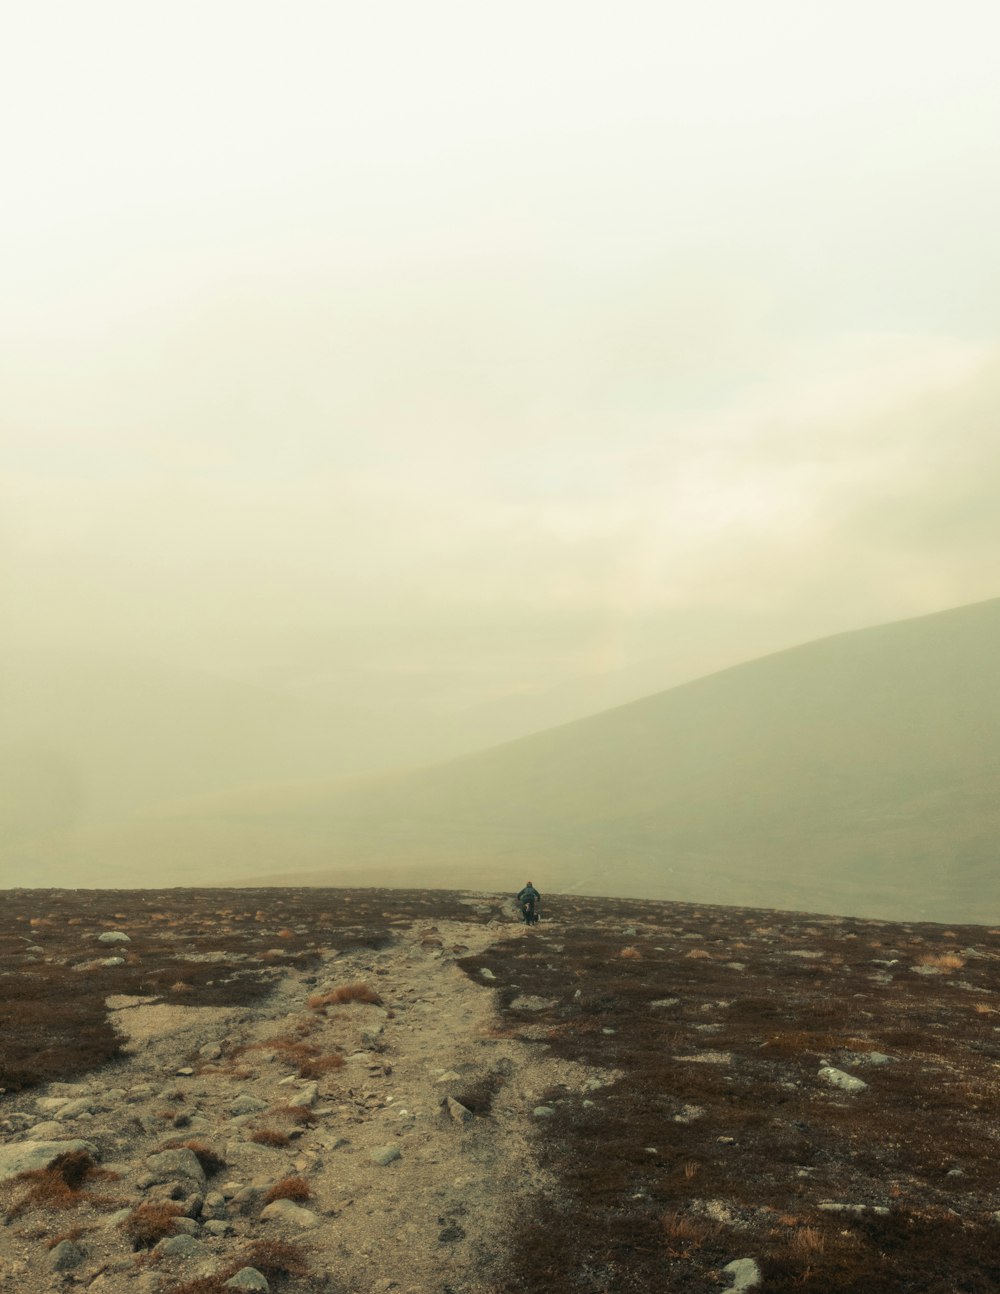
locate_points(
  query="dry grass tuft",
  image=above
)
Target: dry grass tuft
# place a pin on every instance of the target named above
(275, 1259)
(60, 1186)
(320, 1065)
(359, 992)
(289, 1188)
(631, 953)
(150, 1222)
(697, 954)
(807, 1240)
(270, 1137)
(943, 961)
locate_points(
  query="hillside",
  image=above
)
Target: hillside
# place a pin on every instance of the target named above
(856, 774)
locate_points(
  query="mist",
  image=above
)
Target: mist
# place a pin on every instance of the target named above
(382, 385)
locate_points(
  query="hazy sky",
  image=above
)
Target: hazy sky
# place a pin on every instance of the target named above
(460, 349)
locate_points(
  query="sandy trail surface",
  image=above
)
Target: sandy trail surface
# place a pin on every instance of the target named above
(405, 1192)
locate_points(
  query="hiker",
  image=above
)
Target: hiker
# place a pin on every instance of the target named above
(527, 901)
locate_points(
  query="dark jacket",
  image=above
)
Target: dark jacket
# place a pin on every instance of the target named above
(528, 895)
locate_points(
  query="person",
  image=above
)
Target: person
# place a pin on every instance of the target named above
(528, 903)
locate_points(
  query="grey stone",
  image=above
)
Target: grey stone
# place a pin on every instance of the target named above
(73, 1109)
(307, 1097)
(289, 1212)
(486, 973)
(853, 1210)
(745, 1273)
(248, 1278)
(181, 1246)
(543, 1111)
(65, 1255)
(213, 1205)
(28, 1156)
(531, 1002)
(665, 1001)
(113, 937)
(384, 1155)
(171, 1164)
(459, 1112)
(247, 1104)
(48, 1130)
(50, 1104)
(846, 1082)
(218, 1227)
(112, 961)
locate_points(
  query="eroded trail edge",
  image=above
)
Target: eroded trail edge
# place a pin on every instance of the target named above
(415, 1152)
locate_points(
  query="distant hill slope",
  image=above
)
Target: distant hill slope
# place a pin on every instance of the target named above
(857, 774)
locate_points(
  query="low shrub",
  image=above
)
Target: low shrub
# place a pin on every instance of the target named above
(289, 1188)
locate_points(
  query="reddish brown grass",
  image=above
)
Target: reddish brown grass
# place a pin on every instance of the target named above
(320, 1065)
(150, 1222)
(289, 1188)
(270, 1137)
(359, 992)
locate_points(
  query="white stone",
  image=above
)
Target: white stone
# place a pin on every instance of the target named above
(745, 1273)
(837, 1078)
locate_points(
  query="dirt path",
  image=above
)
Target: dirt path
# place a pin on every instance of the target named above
(437, 1217)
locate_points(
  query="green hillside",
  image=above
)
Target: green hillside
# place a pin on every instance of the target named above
(857, 774)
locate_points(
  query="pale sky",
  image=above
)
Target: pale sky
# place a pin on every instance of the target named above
(446, 351)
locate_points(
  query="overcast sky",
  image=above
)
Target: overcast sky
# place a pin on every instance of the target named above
(462, 349)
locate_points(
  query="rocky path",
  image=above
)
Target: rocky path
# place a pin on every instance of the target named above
(399, 1186)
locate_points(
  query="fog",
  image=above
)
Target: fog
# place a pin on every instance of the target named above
(382, 382)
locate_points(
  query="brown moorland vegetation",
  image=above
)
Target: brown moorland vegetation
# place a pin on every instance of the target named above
(196, 947)
(720, 1138)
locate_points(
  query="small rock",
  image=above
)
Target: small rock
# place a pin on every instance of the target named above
(65, 1255)
(449, 1076)
(113, 937)
(218, 1227)
(458, 1111)
(213, 1205)
(171, 1164)
(745, 1273)
(48, 1130)
(543, 1111)
(247, 1104)
(184, 1072)
(530, 1002)
(665, 1001)
(50, 1104)
(248, 1278)
(182, 1246)
(837, 1078)
(112, 961)
(305, 1098)
(384, 1155)
(289, 1212)
(486, 973)
(73, 1109)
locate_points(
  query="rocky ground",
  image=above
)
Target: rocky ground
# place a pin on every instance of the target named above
(629, 1097)
(395, 1183)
